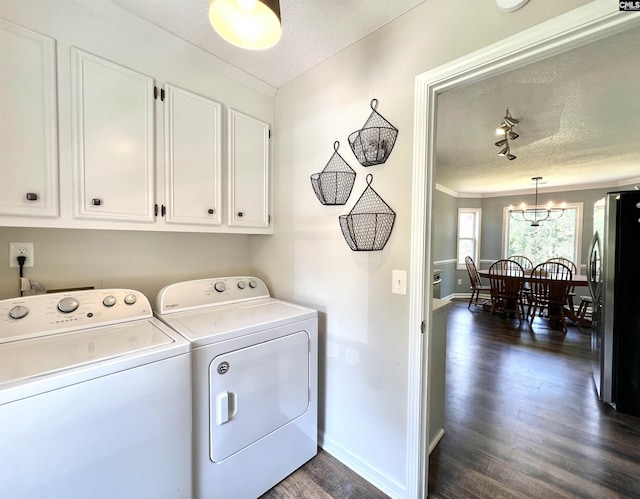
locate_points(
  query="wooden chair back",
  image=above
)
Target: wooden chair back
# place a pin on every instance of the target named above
(550, 288)
(474, 276)
(565, 261)
(506, 278)
(524, 261)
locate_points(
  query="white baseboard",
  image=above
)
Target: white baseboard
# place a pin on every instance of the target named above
(436, 439)
(373, 475)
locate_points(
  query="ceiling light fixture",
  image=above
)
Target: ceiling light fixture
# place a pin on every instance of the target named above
(537, 214)
(248, 24)
(505, 128)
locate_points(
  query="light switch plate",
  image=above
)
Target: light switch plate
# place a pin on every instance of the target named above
(399, 282)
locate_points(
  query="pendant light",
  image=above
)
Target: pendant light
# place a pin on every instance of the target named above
(537, 214)
(506, 129)
(248, 24)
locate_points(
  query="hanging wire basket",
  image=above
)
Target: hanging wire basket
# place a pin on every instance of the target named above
(369, 224)
(373, 144)
(334, 184)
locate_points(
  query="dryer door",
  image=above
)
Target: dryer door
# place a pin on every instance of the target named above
(256, 390)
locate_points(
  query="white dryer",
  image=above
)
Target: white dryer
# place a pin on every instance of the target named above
(255, 383)
(94, 399)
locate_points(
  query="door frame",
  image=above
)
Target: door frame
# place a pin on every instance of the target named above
(578, 27)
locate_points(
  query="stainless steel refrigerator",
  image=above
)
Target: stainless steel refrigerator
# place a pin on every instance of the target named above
(614, 283)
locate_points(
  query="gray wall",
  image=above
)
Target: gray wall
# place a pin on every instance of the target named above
(445, 214)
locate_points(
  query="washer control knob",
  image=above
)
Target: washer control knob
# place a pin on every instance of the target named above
(18, 312)
(130, 299)
(109, 301)
(220, 286)
(242, 284)
(68, 305)
(253, 284)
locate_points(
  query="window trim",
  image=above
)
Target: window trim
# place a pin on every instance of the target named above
(577, 248)
(478, 231)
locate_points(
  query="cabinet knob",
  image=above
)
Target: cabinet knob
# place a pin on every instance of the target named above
(211, 211)
(96, 202)
(32, 196)
(240, 214)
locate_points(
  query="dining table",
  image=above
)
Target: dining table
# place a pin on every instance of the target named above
(576, 280)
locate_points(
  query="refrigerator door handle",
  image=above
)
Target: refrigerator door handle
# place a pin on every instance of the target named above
(592, 270)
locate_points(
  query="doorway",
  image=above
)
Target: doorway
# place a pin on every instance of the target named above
(583, 25)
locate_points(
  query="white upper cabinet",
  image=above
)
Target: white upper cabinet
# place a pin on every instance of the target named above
(110, 127)
(248, 171)
(113, 140)
(28, 129)
(192, 158)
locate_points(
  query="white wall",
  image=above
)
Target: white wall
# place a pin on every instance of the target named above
(142, 260)
(364, 328)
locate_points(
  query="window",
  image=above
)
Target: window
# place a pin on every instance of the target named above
(468, 235)
(557, 238)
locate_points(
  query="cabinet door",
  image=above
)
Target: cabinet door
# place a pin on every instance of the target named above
(113, 140)
(248, 171)
(28, 133)
(192, 158)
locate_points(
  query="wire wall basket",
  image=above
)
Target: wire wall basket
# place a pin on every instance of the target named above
(334, 184)
(369, 224)
(373, 143)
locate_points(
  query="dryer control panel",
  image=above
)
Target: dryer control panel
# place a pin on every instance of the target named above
(188, 295)
(40, 315)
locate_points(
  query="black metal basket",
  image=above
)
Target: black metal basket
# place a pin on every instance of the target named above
(369, 224)
(334, 184)
(373, 143)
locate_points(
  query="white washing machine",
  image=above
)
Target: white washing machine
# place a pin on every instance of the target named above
(94, 399)
(255, 383)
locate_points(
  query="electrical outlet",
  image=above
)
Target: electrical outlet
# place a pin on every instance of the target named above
(459, 282)
(21, 249)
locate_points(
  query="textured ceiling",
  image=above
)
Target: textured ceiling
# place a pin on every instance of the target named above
(579, 124)
(579, 111)
(312, 31)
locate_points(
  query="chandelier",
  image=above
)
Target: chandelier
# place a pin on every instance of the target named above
(537, 214)
(506, 129)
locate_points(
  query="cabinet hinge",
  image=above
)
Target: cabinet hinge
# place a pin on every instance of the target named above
(422, 327)
(163, 210)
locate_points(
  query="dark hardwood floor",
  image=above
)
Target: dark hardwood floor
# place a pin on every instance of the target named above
(522, 420)
(324, 477)
(522, 417)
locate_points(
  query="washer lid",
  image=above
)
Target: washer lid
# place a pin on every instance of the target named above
(105, 349)
(223, 322)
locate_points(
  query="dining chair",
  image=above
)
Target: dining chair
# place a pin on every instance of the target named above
(550, 285)
(477, 286)
(524, 261)
(572, 291)
(565, 261)
(506, 279)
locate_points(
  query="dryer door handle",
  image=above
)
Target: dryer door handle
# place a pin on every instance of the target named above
(222, 408)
